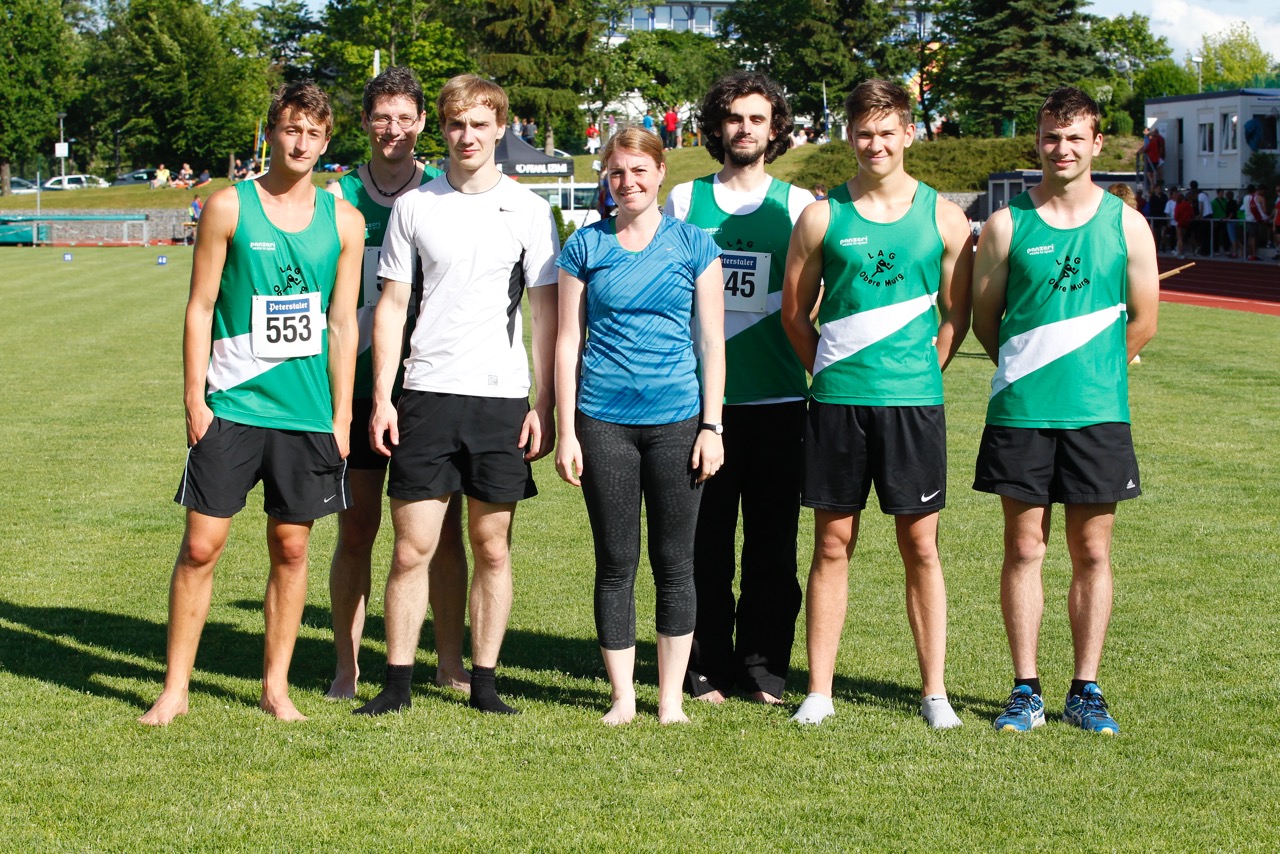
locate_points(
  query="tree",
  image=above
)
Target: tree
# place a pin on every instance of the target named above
(32, 62)
(674, 68)
(1004, 58)
(407, 32)
(179, 80)
(1159, 79)
(286, 26)
(1126, 43)
(807, 45)
(537, 51)
(1233, 58)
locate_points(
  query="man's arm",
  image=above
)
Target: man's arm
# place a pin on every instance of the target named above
(344, 332)
(388, 345)
(990, 276)
(221, 213)
(1143, 299)
(955, 288)
(802, 282)
(538, 440)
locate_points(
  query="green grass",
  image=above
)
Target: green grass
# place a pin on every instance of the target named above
(91, 448)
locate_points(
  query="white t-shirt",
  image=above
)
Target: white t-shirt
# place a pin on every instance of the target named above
(737, 204)
(1206, 206)
(479, 252)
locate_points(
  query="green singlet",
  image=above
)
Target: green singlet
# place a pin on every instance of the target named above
(879, 317)
(265, 261)
(1063, 358)
(760, 363)
(376, 215)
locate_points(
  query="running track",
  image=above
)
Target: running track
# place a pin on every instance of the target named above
(1236, 285)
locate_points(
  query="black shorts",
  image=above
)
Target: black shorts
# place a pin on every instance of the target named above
(451, 442)
(902, 449)
(1087, 465)
(362, 456)
(303, 475)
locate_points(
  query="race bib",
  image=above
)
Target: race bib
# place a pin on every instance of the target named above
(371, 286)
(287, 327)
(746, 280)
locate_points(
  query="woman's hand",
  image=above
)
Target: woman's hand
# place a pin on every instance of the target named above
(569, 459)
(708, 454)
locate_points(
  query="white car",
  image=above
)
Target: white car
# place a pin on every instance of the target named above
(74, 182)
(21, 186)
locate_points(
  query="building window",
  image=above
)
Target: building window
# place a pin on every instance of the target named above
(1267, 134)
(680, 18)
(702, 19)
(1206, 138)
(1228, 135)
(640, 19)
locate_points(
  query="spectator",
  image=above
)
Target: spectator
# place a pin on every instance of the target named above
(1233, 217)
(593, 138)
(819, 192)
(669, 123)
(1202, 217)
(205, 178)
(530, 133)
(240, 172)
(1125, 194)
(1183, 214)
(161, 179)
(1153, 155)
(648, 122)
(1156, 214)
(195, 209)
(1255, 221)
(185, 177)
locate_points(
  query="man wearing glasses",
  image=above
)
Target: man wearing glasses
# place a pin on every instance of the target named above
(393, 117)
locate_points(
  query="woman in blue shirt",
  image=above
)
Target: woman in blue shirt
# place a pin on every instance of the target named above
(645, 418)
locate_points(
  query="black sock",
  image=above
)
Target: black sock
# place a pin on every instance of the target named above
(484, 692)
(1077, 686)
(1033, 683)
(394, 696)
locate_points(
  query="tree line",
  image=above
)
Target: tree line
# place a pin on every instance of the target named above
(148, 81)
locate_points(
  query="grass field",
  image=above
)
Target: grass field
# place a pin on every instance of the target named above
(91, 448)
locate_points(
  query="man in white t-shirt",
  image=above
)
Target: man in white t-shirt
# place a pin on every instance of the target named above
(463, 423)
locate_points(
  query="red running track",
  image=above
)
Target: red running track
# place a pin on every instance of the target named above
(1235, 285)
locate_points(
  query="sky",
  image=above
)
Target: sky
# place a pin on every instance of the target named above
(1183, 22)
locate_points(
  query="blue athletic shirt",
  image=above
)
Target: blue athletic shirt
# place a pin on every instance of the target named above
(638, 363)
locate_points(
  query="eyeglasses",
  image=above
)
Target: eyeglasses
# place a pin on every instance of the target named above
(384, 122)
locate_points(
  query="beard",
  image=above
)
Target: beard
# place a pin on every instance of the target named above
(745, 156)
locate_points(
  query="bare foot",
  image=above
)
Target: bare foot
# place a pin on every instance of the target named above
(715, 698)
(343, 687)
(281, 709)
(764, 697)
(459, 680)
(167, 707)
(672, 715)
(621, 712)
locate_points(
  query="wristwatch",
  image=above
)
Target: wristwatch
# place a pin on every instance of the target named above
(716, 428)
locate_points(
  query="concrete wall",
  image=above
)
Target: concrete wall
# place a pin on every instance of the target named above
(162, 226)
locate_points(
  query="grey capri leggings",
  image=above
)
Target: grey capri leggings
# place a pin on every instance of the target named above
(621, 463)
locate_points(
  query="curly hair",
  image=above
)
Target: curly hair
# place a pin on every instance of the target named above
(303, 97)
(397, 81)
(715, 109)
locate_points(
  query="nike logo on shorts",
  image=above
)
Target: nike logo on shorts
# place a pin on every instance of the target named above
(930, 496)
(330, 498)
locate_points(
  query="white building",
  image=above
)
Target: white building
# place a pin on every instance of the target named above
(1210, 136)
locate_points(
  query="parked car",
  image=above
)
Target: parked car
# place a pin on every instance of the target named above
(137, 176)
(74, 182)
(20, 186)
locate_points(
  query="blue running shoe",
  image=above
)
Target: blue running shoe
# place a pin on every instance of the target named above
(1088, 711)
(1023, 711)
